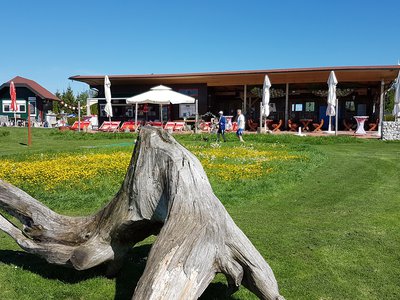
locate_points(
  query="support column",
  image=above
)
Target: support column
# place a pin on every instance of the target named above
(381, 108)
(245, 100)
(287, 105)
(79, 115)
(261, 118)
(196, 122)
(336, 115)
(88, 106)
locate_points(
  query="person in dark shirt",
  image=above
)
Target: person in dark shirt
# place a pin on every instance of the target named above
(221, 126)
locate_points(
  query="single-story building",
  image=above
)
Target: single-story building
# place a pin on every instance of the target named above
(28, 91)
(295, 93)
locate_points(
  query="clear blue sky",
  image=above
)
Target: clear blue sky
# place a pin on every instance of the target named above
(48, 41)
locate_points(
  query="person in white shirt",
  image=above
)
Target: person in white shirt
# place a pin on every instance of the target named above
(241, 124)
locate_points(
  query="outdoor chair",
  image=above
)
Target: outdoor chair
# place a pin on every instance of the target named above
(83, 125)
(348, 125)
(234, 126)
(205, 126)
(292, 126)
(169, 126)
(276, 127)
(373, 125)
(128, 126)
(108, 126)
(156, 124)
(318, 126)
(179, 126)
(252, 125)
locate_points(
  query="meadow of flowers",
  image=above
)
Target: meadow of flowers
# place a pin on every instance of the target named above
(50, 171)
(240, 162)
(72, 170)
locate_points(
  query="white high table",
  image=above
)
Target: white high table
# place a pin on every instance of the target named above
(360, 124)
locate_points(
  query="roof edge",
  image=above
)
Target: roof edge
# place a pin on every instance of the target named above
(233, 73)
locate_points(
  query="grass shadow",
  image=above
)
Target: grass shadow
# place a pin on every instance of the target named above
(125, 281)
(39, 266)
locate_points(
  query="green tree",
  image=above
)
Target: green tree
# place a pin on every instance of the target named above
(389, 102)
(56, 104)
(82, 97)
(69, 100)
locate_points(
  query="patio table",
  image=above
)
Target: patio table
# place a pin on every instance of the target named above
(360, 124)
(306, 122)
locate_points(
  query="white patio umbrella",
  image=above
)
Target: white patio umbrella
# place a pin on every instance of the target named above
(265, 99)
(159, 95)
(331, 109)
(107, 94)
(396, 108)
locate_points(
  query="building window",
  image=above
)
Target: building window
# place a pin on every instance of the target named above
(102, 111)
(6, 107)
(350, 106)
(32, 105)
(129, 111)
(297, 107)
(310, 106)
(21, 106)
(187, 110)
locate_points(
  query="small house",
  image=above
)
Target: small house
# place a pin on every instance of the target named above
(30, 93)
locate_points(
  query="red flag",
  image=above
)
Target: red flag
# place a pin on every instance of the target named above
(13, 95)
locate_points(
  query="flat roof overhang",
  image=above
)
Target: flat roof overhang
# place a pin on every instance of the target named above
(364, 74)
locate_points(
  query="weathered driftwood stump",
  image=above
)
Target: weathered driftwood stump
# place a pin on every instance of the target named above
(166, 193)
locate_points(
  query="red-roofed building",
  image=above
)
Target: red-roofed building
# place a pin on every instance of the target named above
(28, 91)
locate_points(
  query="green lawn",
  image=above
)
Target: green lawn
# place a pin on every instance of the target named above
(325, 214)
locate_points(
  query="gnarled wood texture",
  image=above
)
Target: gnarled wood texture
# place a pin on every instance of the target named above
(167, 193)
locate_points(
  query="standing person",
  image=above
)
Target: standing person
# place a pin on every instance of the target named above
(221, 126)
(241, 124)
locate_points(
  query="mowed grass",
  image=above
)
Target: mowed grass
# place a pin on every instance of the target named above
(323, 211)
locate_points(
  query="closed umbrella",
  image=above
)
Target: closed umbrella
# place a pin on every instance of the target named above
(13, 95)
(107, 94)
(396, 108)
(331, 109)
(265, 99)
(161, 95)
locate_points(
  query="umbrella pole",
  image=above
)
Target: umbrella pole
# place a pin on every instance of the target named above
(136, 125)
(261, 109)
(161, 116)
(15, 118)
(196, 121)
(336, 116)
(330, 124)
(29, 126)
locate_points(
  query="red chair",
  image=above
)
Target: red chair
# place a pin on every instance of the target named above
(372, 126)
(169, 126)
(179, 126)
(292, 126)
(205, 126)
(108, 126)
(128, 126)
(318, 126)
(83, 125)
(234, 126)
(156, 124)
(252, 125)
(276, 127)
